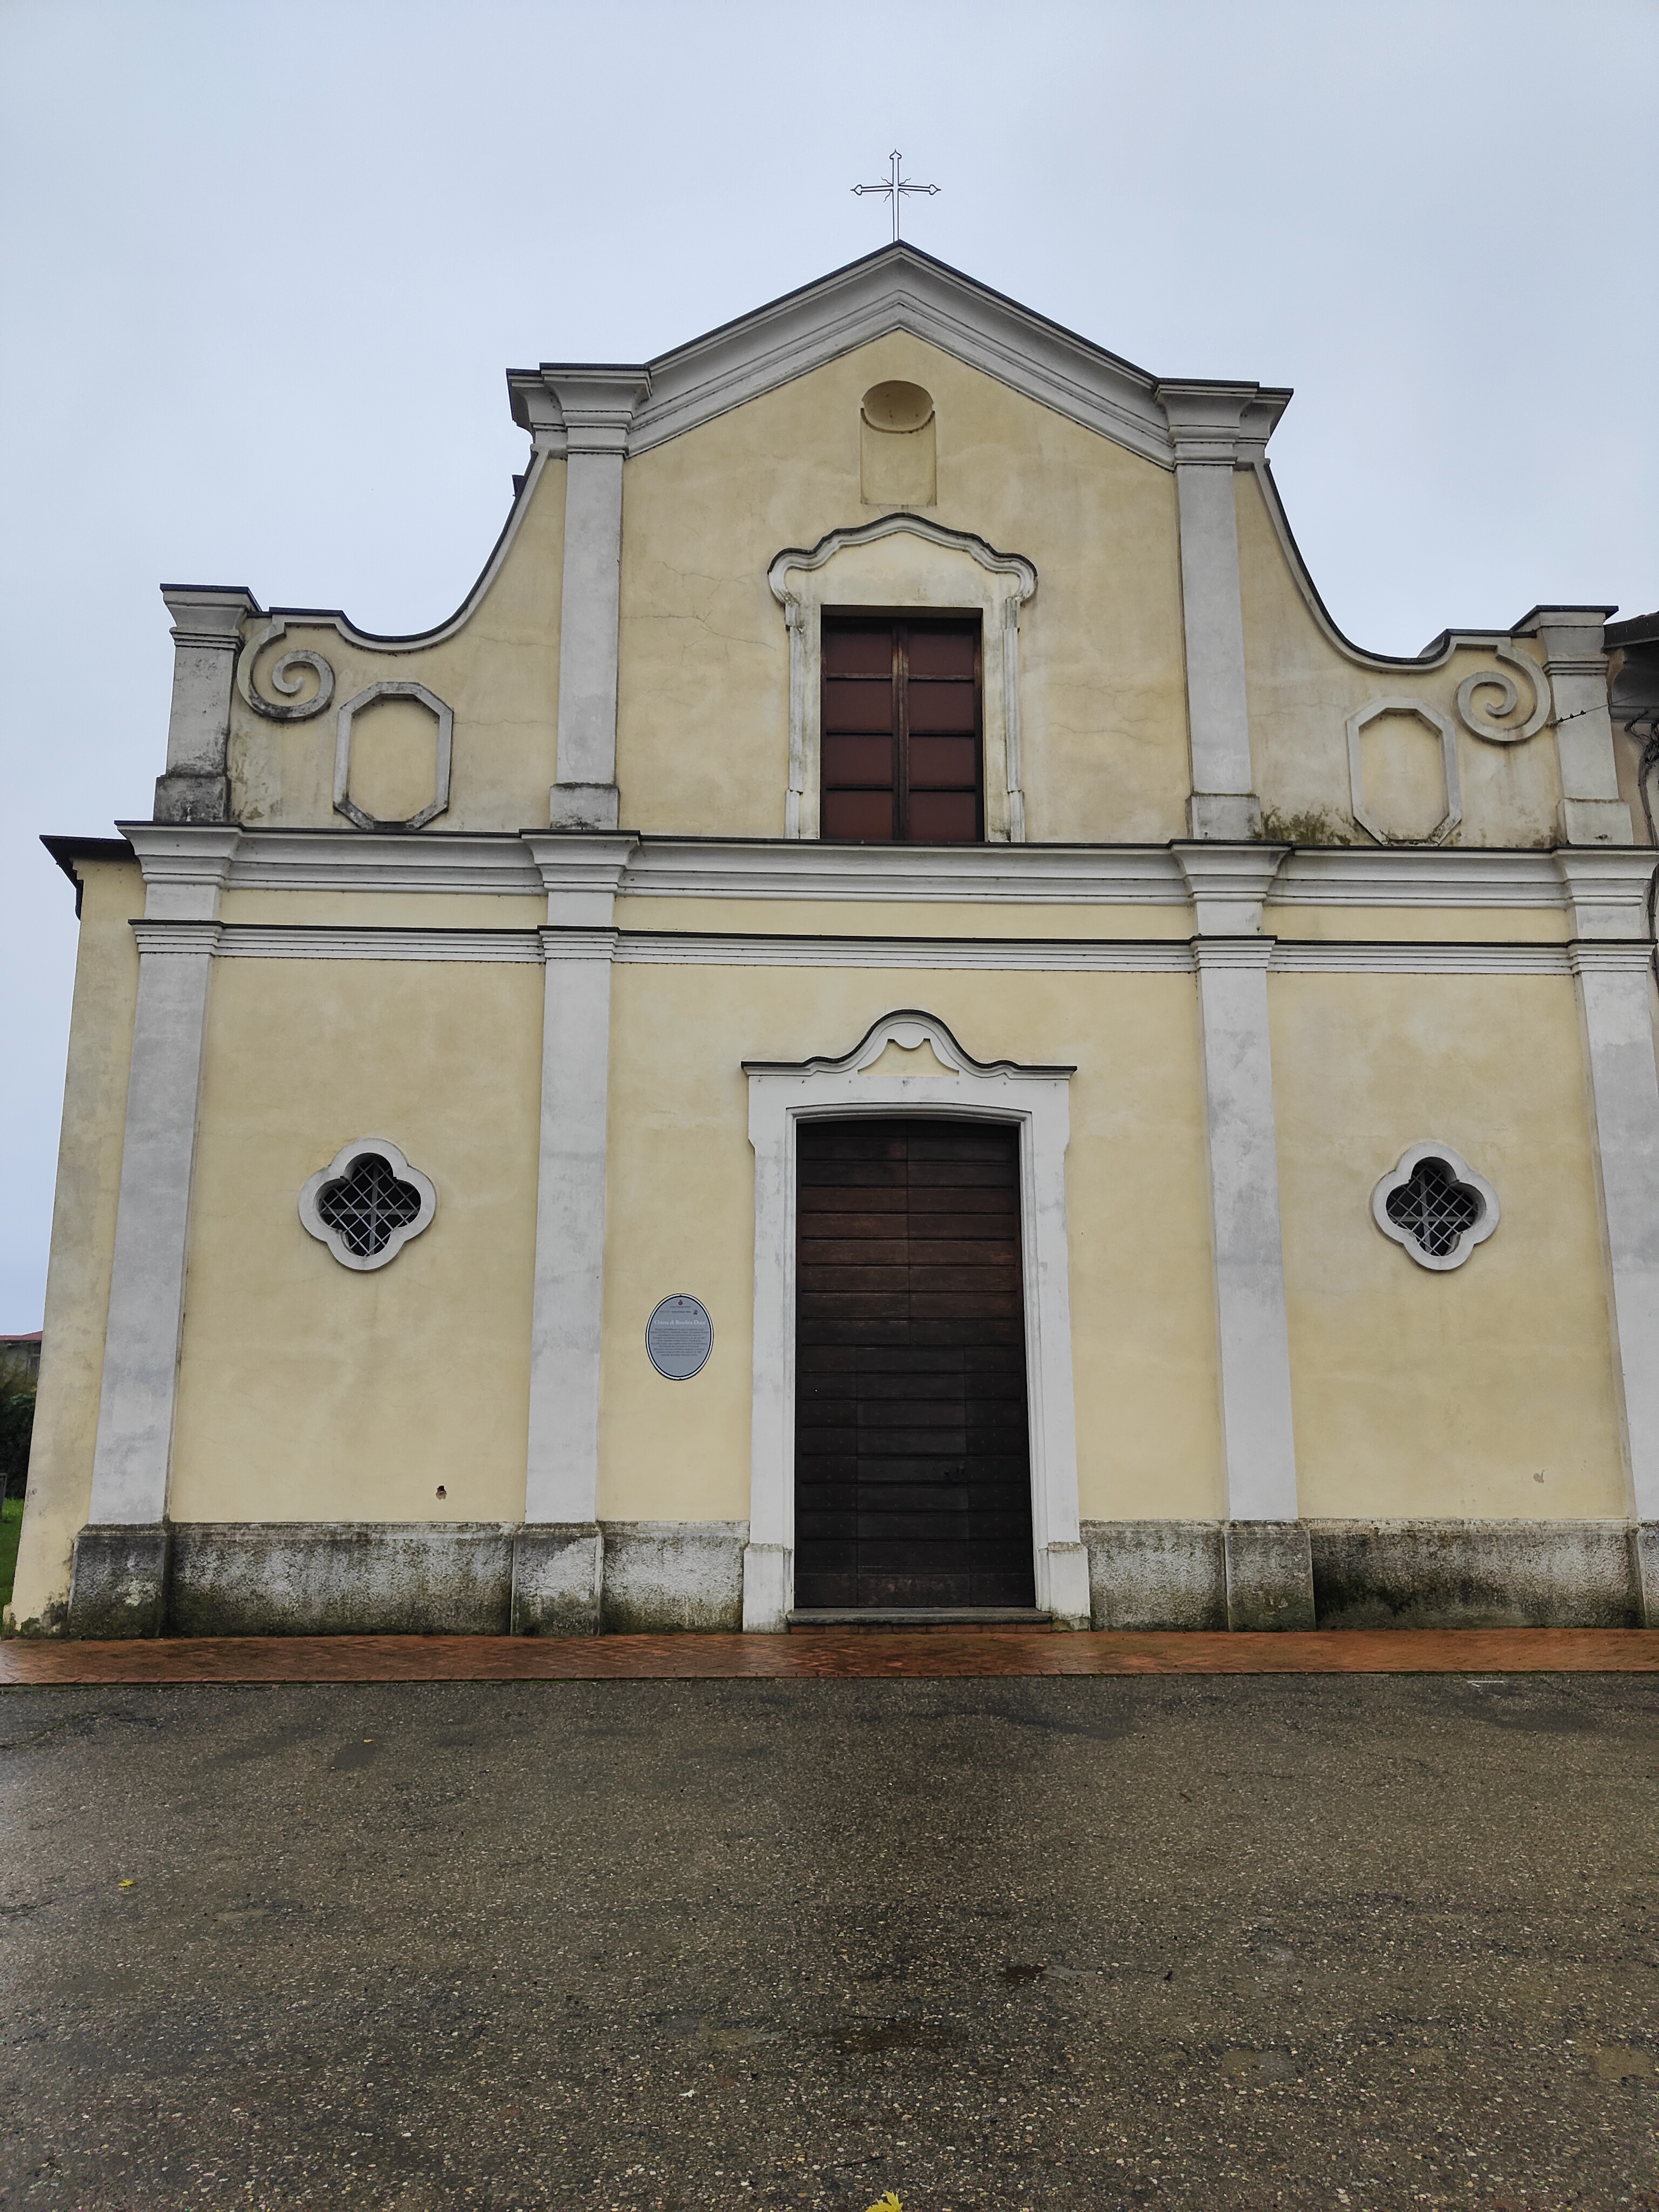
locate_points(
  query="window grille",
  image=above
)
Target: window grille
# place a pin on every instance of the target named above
(1434, 1206)
(368, 1205)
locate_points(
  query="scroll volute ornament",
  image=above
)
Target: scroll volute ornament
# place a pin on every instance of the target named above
(1484, 718)
(283, 676)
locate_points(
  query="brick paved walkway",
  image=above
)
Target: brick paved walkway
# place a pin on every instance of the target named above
(829, 1654)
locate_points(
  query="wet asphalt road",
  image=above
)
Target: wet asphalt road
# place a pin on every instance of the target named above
(1210, 1943)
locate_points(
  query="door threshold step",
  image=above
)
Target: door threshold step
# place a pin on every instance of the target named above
(924, 1617)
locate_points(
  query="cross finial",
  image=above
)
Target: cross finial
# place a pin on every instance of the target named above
(894, 189)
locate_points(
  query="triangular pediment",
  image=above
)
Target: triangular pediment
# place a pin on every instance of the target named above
(897, 289)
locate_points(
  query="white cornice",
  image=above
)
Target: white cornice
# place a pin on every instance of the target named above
(1023, 875)
(342, 860)
(896, 288)
(532, 862)
(1363, 876)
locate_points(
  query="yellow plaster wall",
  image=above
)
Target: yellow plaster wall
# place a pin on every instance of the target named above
(703, 710)
(499, 673)
(680, 1215)
(310, 1392)
(385, 909)
(1443, 1395)
(82, 1236)
(1302, 688)
(1418, 925)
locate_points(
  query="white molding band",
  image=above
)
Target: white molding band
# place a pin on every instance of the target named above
(1128, 955)
(806, 582)
(562, 1470)
(1417, 876)
(345, 1160)
(328, 941)
(1462, 1175)
(1035, 1100)
(1138, 956)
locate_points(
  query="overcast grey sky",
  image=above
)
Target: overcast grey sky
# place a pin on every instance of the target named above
(261, 269)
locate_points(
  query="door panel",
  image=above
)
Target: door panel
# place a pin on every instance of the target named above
(913, 1476)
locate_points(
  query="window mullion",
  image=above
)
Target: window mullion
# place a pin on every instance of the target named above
(901, 732)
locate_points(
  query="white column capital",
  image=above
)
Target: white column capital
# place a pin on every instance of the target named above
(1205, 420)
(1607, 887)
(581, 874)
(210, 615)
(185, 866)
(597, 404)
(1229, 884)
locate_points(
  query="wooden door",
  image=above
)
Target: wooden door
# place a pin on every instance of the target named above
(912, 1449)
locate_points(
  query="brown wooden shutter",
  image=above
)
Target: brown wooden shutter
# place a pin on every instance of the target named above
(900, 732)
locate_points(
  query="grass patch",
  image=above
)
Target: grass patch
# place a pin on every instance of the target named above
(11, 1528)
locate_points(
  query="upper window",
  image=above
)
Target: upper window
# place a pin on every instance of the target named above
(900, 732)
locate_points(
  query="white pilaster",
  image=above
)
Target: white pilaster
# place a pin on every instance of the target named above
(1611, 958)
(1204, 431)
(207, 636)
(581, 875)
(597, 404)
(1575, 662)
(184, 871)
(1228, 886)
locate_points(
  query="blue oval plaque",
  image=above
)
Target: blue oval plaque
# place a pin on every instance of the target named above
(679, 1337)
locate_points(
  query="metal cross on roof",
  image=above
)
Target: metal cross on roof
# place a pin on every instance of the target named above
(894, 189)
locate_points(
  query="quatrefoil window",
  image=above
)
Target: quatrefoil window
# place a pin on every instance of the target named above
(1434, 1206)
(368, 1203)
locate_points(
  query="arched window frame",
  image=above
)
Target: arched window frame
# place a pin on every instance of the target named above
(935, 571)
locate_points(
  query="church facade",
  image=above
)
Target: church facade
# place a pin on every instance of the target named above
(888, 1020)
